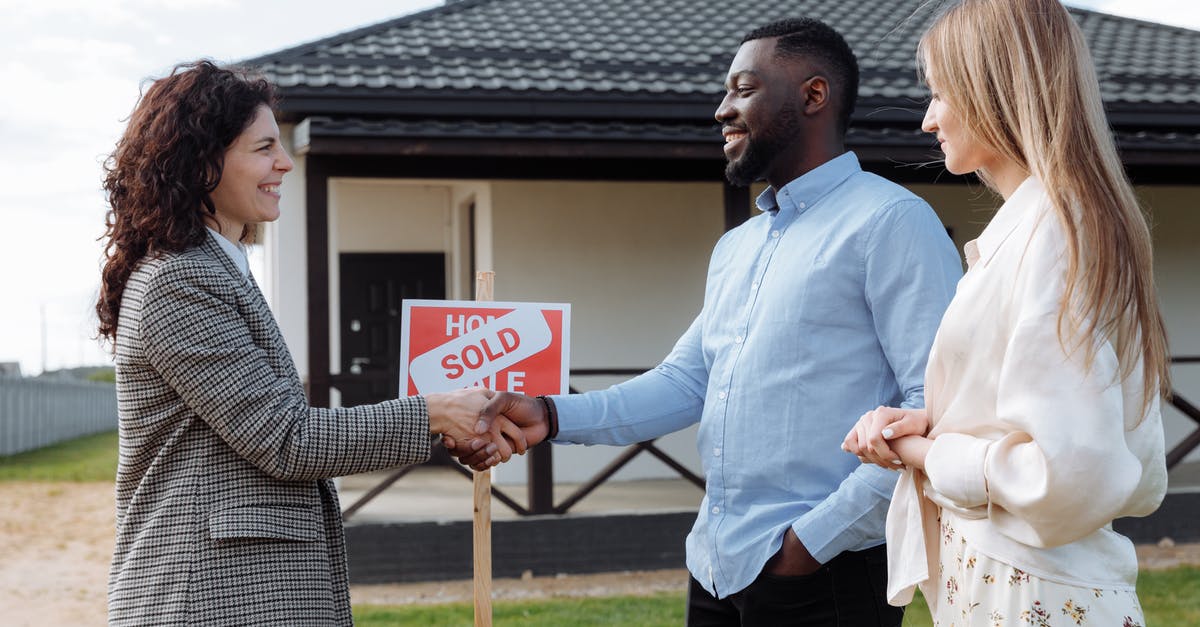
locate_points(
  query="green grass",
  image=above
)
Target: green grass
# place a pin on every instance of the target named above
(649, 611)
(917, 613)
(1169, 597)
(86, 459)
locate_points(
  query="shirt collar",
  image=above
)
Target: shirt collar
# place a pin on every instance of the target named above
(805, 190)
(236, 252)
(1021, 203)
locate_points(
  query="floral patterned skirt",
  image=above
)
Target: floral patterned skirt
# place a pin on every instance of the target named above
(974, 589)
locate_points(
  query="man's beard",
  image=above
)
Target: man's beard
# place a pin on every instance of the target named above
(759, 153)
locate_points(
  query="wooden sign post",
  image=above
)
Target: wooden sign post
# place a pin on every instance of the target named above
(482, 526)
(512, 347)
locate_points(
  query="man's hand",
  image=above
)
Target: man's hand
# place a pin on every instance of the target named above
(505, 416)
(792, 560)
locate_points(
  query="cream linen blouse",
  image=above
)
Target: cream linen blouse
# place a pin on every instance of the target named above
(1033, 453)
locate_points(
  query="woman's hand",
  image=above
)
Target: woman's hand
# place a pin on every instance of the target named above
(457, 417)
(885, 437)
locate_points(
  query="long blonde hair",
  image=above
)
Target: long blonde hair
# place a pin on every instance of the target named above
(1019, 74)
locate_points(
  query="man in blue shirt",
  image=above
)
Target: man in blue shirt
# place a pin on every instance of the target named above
(818, 310)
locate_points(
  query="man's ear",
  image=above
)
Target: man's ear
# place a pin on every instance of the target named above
(815, 92)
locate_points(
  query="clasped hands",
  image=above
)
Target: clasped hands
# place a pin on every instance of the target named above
(483, 428)
(890, 437)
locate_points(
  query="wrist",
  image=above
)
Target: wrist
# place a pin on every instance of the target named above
(912, 450)
(435, 407)
(550, 413)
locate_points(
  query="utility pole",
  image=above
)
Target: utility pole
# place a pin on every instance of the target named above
(43, 316)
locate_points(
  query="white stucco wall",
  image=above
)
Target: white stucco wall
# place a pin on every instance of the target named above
(390, 216)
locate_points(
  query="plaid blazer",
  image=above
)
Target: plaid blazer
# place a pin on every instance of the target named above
(225, 514)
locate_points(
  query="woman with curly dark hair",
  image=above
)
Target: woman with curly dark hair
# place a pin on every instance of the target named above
(225, 514)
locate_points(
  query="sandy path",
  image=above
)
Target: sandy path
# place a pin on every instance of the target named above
(56, 540)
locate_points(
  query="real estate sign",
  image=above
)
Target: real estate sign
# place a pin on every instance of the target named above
(514, 347)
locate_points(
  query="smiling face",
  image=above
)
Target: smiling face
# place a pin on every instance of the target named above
(963, 152)
(254, 167)
(760, 115)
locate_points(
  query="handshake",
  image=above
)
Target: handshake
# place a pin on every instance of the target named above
(482, 428)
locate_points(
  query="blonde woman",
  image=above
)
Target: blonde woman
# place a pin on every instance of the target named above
(1043, 384)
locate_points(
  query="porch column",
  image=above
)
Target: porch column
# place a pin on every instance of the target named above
(737, 205)
(540, 479)
(316, 201)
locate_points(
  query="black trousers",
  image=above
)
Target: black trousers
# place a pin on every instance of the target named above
(849, 591)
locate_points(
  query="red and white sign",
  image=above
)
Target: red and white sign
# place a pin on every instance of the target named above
(513, 347)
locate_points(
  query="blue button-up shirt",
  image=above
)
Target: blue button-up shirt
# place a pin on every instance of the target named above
(816, 311)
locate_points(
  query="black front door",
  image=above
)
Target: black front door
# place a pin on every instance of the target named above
(372, 286)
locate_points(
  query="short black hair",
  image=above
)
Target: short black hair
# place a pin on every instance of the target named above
(807, 37)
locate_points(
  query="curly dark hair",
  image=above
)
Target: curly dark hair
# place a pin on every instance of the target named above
(159, 178)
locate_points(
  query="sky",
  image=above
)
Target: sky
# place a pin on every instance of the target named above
(70, 74)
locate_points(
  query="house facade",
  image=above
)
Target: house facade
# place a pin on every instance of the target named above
(570, 147)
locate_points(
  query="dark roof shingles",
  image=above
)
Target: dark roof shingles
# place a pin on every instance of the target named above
(677, 47)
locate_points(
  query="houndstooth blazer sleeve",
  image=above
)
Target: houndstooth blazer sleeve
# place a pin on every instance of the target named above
(197, 330)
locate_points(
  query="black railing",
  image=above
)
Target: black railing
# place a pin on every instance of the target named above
(540, 483)
(1188, 444)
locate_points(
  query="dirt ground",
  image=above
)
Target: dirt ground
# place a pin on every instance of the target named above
(56, 540)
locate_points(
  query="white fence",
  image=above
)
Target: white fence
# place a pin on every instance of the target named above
(36, 413)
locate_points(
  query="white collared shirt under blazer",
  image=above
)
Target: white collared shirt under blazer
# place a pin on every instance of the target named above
(225, 515)
(1034, 453)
